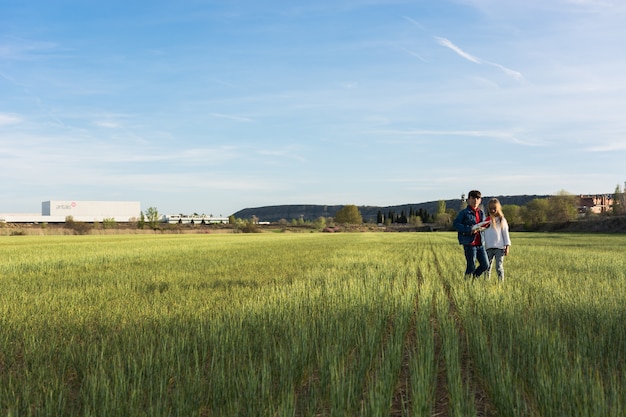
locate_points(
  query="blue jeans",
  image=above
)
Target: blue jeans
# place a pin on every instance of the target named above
(473, 254)
(498, 254)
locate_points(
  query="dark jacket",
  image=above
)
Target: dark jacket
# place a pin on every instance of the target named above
(463, 224)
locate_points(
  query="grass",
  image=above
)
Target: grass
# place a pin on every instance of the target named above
(370, 324)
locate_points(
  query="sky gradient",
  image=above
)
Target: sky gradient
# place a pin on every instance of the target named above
(216, 106)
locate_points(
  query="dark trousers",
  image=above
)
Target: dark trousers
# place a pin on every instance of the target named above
(473, 254)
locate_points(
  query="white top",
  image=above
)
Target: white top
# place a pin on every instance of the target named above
(497, 236)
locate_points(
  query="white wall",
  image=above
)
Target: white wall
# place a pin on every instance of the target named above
(121, 211)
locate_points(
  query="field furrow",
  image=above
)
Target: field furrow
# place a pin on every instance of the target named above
(367, 324)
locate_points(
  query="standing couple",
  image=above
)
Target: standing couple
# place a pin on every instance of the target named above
(483, 239)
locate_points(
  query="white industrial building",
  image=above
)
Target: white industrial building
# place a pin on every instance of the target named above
(193, 219)
(57, 211)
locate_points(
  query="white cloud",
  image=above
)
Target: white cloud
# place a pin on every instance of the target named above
(107, 124)
(281, 154)
(9, 119)
(415, 54)
(502, 135)
(607, 147)
(231, 117)
(448, 44)
(183, 182)
(511, 73)
(415, 22)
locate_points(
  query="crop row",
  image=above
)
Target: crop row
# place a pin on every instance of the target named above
(301, 325)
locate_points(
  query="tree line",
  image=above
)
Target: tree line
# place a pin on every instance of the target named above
(562, 207)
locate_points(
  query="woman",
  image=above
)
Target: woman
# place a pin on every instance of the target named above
(496, 238)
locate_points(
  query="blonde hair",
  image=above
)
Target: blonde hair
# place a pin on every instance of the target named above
(495, 203)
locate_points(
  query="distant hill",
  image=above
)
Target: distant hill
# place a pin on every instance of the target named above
(369, 213)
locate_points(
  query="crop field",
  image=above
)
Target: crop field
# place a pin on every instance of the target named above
(345, 324)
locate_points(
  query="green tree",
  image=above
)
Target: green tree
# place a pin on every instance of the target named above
(320, 223)
(445, 218)
(69, 222)
(249, 226)
(79, 228)
(512, 213)
(619, 200)
(535, 212)
(441, 207)
(562, 207)
(415, 220)
(109, 223)
(348, 214)
(441, 216)
(152, 217)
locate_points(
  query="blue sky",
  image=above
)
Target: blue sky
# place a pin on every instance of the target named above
(215, 106)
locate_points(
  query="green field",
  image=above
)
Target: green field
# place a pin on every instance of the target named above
(371, 324)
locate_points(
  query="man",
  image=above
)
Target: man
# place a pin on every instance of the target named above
(469, 235)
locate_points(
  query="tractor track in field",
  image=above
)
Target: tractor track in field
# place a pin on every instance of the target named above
(483, 405)
(401, 402)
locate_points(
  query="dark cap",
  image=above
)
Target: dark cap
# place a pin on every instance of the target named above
(475, 194)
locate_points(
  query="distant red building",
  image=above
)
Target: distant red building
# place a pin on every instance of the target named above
(596, 204)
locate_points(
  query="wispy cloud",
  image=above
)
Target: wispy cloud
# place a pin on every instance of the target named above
(607, 147)
(7, 77)
(504, 136)
(231, 117)
(285, 153)
(448, 44)
(101, 158)
(14, 48)
(183, 182)
(182, 116)
(414, 22)
(106, 124)
(27, 91)
(349, 85)
(511, 73)
(412, 53)
(9, 119)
